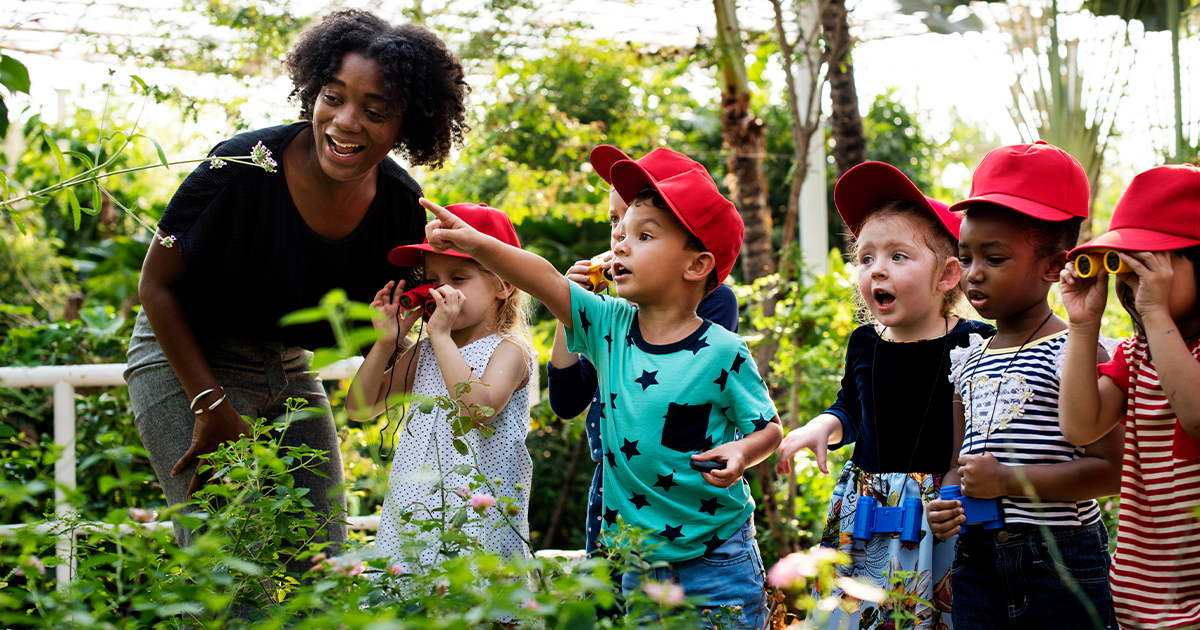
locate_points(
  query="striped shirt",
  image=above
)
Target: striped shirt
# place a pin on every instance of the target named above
(1156, 569)
(1010, 400)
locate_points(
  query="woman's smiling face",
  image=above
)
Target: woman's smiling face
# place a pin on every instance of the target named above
(354, 125)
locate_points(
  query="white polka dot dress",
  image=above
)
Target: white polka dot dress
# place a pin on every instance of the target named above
(425, 444)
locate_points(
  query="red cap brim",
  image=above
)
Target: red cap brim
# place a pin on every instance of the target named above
(1136, 240)
(603, 157)
(414, 255)
(1025, 206)
(865, 186)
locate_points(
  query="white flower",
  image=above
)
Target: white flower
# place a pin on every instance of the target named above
(861, 590)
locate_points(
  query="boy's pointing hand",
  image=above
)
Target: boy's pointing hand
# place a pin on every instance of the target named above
(447, 231)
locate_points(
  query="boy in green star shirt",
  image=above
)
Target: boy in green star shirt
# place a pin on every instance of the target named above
(675, 388)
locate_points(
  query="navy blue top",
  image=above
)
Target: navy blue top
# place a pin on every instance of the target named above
(915, 413)
(573, 388)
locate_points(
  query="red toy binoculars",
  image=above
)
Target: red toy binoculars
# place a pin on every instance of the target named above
(1087, 264)
(418, 297)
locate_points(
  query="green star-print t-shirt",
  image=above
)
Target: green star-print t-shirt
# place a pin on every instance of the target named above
(659, 404)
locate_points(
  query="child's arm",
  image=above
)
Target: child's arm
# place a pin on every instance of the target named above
(1096, 474)
(507, 368)
(525, 270)
(815, 436)
(1178, 371)
(1089, 408)
(372, 381)
(946, 517)
(738, 456)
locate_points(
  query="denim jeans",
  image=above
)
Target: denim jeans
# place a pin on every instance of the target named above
(258, 378)
(1008, 578)
(730, 575)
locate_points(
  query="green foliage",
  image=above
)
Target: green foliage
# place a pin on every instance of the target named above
(14, 76)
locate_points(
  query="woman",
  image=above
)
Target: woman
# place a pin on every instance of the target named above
(238, 247)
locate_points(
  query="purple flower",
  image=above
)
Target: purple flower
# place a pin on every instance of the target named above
(261, 156)
(217, 163)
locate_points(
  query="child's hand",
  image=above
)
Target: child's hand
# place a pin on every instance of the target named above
(983, 476)
(808, 437)
(945, 518)
(447, 231)
(388, 303)
(735, 464)
(1151, 284)
(449, 302)
(578, 273)
(1084, 298)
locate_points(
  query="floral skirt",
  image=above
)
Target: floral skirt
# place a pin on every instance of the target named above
(920, 570)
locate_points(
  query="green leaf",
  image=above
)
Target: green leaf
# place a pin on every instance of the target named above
(461, 447)
(97, 197)
(82, 157)
(14, 75)
(462, 469)
(62, 162)
(326, 356)
(107, 482)
(139, 81)
(74, 201)
(303, 316)
(3, 118)
(162, 155)
(16, 219)
(3, 181)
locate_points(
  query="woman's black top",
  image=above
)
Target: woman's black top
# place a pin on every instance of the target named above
(251, 258)
(896, 403)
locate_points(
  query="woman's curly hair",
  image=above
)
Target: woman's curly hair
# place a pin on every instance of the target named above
(418, 70)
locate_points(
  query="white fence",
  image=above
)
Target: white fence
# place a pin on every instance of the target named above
(64, 379)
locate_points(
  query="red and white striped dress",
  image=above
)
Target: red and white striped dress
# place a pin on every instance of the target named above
(1156, 569)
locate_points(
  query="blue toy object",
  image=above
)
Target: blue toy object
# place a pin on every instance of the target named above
(870, 518)
(984, 512)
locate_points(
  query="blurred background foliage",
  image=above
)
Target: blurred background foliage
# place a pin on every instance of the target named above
(67, 295)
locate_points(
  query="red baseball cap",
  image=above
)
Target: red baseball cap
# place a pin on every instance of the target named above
(1160, 211)
(1039, 180)
(490, 221)
(693, 198)
(865, 186)
(660, 163)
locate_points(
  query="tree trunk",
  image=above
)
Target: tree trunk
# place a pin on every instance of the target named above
(745, 147)
(850, 142)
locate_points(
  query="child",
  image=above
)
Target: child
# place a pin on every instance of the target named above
(476, 334)
(895, 399)
(675, 388)
(1012, 245)
(572, 380)
(1150, 386)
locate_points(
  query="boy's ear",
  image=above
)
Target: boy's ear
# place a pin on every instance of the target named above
(1054, 264)
(949, 276)
(701, 265)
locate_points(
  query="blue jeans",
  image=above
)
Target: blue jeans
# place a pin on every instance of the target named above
(1008, 578)
(730, 575)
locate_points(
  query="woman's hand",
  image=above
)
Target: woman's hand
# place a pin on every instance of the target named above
(449, 302)
(1084, 298)
(984, 477)
(392, 326)
(945, 518)
(212, 428)
(1154, 273)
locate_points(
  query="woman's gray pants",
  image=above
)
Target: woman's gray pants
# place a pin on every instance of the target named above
(258, 377)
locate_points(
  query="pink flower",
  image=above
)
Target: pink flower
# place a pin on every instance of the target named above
(530, 604)
(463, 493)
(138, 515)
(861, 590)
(666, 594)
(33, 563)
(319, 557)
(396, 570)
(481, 502)
(792, 570)
(356, 569)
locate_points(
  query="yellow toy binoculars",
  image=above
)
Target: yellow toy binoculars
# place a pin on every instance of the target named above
(597, 273)
(1088, 264)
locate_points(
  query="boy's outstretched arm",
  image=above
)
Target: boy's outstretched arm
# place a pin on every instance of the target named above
(525, 270)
